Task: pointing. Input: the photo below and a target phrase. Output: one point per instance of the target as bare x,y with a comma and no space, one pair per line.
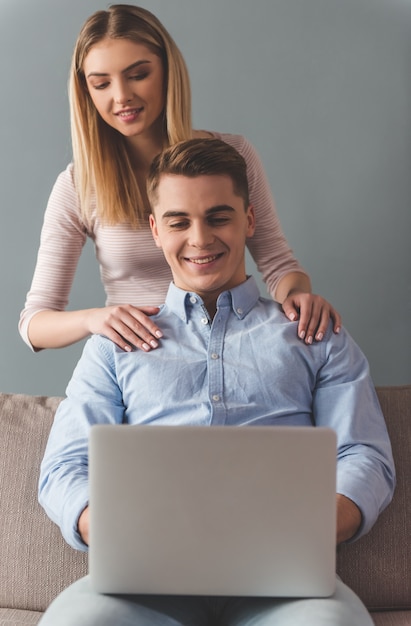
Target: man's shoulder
99,344
272,309
270,315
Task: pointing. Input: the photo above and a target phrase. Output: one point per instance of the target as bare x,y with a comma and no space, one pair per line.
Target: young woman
129,98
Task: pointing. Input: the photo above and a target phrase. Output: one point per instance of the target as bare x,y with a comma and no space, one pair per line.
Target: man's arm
84,524
345,400
348,518
93,396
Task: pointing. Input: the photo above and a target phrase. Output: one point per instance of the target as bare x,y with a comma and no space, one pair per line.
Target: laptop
220,511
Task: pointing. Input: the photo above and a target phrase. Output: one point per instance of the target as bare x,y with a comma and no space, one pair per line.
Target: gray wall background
322,88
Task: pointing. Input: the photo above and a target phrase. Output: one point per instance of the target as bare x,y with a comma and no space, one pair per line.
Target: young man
236,354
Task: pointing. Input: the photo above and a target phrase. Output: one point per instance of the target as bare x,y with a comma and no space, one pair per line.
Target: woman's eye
139,76
100,86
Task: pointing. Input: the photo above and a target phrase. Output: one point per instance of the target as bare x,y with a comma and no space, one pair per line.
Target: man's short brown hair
200,157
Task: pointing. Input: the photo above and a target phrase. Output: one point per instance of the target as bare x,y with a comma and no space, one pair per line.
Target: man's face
201,226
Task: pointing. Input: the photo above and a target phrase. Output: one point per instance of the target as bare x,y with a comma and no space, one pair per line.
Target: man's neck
210,299
211,307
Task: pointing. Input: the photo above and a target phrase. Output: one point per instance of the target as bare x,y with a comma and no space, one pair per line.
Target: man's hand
348,518
83,525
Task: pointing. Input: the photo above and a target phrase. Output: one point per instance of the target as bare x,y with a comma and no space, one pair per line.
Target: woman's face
126,84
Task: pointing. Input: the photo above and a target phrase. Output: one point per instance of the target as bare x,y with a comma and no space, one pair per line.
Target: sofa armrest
36,563
378,566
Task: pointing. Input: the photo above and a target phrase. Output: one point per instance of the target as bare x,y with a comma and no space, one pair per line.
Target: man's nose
201,236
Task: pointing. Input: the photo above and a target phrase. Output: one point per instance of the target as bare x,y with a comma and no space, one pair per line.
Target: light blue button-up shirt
246,366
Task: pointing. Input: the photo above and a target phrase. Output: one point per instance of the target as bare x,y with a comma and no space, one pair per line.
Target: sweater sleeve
62,239
268,246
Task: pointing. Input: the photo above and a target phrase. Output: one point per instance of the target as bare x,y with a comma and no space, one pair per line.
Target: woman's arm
125,325
63,236
44,322
286,280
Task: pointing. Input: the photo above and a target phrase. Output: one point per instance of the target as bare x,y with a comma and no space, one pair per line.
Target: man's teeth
205,260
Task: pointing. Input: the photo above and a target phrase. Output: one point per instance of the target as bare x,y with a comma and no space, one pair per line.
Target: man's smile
204,260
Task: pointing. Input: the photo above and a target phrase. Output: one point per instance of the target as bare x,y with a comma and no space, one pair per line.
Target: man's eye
177,225
218,221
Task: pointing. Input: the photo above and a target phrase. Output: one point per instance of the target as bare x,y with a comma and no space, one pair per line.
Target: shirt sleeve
62,239
345,400
268,246
93,395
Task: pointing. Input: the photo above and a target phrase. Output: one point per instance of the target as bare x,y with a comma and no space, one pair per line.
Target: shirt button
193,299
214,356
204,320
239,311
216,398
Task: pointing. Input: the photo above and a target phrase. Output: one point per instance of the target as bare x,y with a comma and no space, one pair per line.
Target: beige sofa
36,564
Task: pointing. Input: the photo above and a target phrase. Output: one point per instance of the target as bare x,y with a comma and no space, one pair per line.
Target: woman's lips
129,114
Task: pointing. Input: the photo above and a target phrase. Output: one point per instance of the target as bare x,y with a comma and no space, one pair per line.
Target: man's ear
250,221
154,230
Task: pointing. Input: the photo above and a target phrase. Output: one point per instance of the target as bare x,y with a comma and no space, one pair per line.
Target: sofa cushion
378,566
18,617
36,563
392,618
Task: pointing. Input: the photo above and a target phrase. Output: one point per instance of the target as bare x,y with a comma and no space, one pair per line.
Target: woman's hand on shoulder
313,313
127,326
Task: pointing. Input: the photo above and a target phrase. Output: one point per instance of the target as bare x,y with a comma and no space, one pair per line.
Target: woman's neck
143,148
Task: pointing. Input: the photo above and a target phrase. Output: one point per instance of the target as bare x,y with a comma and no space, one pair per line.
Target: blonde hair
200,157
102,164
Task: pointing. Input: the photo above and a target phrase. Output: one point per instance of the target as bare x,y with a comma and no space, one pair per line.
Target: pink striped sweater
132,268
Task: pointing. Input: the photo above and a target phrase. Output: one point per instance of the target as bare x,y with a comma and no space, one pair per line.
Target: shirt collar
241,299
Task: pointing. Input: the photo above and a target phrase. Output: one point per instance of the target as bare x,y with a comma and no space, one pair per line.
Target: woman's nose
122,93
